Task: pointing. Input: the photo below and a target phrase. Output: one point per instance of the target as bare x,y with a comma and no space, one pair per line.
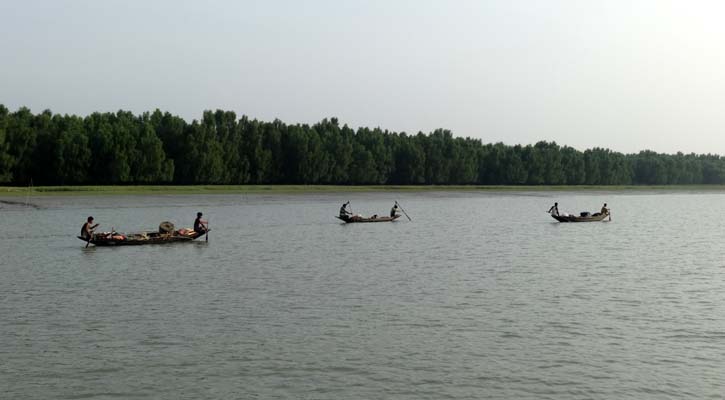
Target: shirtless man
87,229
554,210
343,211
200,224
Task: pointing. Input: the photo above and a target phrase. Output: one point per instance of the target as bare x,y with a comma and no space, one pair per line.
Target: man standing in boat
87,229
200,224
554,210
343,211
394,210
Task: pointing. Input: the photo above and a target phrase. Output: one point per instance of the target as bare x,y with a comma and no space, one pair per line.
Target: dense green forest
160,148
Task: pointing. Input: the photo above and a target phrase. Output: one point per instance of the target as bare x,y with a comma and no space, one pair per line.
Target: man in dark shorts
87,229
343,211
199,224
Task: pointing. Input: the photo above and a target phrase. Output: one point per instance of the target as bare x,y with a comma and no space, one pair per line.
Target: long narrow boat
573,218
356,218
150,237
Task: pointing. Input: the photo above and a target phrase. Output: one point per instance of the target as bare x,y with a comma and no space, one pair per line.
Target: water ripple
480,297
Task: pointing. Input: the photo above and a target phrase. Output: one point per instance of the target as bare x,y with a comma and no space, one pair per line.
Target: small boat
581,218
149,237
357,218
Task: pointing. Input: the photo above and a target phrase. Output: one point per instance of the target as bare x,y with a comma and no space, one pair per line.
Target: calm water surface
482,295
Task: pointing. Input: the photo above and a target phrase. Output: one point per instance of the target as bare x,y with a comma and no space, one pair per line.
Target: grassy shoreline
304,189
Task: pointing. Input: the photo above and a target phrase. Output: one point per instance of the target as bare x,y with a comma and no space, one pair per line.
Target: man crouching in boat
606,211
200,225
343,211
87,229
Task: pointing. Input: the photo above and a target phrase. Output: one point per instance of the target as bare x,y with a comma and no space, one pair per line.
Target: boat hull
142,238
574,218
355,219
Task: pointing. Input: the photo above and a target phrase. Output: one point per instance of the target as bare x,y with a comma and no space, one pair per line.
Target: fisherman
605,211
343,211
554,210
394,210
87,229
200,224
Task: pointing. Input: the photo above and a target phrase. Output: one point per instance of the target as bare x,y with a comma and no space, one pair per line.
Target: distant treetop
160,148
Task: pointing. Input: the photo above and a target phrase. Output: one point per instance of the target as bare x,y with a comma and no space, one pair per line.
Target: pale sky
625,75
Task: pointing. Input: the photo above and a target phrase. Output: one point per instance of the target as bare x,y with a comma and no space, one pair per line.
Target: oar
401,209
207,230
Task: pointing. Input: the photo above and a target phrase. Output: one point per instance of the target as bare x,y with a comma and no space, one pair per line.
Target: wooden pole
401,209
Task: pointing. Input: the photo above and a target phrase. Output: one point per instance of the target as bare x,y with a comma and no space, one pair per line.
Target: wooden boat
574,218
149,237
356,218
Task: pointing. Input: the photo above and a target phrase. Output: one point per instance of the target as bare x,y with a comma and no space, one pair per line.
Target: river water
482,295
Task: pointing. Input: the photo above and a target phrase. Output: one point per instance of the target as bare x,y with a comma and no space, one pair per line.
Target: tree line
160,148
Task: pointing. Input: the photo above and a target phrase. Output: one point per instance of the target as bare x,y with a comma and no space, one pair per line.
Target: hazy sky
626,75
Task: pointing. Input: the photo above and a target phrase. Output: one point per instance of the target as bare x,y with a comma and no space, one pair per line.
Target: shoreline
17,191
